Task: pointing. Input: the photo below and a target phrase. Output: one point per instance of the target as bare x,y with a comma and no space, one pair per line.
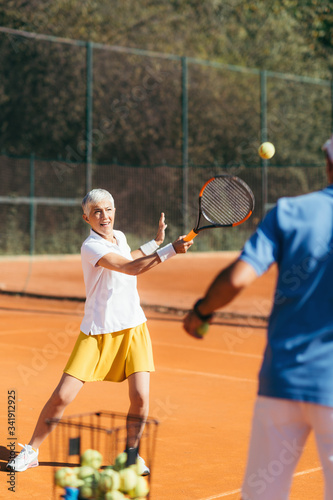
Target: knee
61,398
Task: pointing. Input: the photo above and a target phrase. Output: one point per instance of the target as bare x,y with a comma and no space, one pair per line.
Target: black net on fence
41,202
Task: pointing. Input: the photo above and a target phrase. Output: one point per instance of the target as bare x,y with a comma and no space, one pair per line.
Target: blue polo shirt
298,235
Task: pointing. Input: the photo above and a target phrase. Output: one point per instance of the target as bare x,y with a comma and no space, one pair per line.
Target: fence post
185,144
263,136
32,213
89,114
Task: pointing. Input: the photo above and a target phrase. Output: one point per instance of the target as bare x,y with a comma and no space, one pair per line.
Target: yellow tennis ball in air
266,150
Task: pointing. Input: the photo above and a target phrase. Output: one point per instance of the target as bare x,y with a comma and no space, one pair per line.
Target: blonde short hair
93,197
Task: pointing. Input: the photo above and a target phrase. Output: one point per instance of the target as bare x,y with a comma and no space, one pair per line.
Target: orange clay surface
202,391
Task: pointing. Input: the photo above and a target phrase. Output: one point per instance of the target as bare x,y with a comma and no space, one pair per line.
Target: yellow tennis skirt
111,356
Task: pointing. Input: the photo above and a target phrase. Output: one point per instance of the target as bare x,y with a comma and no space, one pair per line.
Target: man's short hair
95,196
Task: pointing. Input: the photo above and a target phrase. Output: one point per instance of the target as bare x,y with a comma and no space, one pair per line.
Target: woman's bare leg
138,384
63,395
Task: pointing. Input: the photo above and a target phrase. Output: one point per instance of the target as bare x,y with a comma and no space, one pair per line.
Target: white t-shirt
112,300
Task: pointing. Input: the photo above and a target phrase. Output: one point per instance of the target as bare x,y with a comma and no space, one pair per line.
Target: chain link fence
149,127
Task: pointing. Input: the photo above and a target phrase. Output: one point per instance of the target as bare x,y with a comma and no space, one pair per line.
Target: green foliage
137,114
283,35
14,226
59,230
137,108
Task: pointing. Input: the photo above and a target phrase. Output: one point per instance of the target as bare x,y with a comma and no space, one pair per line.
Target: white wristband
149,247
166,252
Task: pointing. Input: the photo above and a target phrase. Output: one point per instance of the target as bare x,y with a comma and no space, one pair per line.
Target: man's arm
222,290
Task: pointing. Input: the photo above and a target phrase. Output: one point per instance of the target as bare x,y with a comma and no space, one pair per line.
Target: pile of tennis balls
114,482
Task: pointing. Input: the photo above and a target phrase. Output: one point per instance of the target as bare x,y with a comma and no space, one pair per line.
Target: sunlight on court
202,391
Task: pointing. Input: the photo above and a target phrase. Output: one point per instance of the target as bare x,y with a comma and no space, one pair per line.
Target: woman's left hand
161,230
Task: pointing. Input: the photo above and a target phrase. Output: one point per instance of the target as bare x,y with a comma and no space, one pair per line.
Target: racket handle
190,236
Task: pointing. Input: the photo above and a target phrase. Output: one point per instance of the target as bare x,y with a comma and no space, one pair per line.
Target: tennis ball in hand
202,329
266,150
92,458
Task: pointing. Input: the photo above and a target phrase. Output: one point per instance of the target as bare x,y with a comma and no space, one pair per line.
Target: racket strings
226,200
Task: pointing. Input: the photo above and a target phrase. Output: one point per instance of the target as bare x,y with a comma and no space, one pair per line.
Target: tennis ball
128,479
202,329
114,495
109,480
92,458
64,476
87,491
120,461
74,482
141,488
86,471
266,150
138,467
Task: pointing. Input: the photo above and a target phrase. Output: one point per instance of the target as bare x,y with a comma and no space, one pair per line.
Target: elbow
236,284
241,275
132,271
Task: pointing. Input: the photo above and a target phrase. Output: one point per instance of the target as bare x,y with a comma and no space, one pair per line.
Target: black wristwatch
203,317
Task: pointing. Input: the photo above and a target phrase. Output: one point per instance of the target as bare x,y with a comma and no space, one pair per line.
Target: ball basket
106,433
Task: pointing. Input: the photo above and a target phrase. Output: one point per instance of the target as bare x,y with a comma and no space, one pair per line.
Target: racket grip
190,236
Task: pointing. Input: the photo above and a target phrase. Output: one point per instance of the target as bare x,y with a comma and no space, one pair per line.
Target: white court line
228,493
233,492
207,349
159,368
302,473
204,374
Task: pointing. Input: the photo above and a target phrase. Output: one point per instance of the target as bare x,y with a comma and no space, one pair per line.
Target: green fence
149,127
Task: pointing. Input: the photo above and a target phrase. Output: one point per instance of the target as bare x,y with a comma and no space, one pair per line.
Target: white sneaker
27,458
144,470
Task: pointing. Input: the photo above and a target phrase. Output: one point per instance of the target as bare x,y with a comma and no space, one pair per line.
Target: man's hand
191,324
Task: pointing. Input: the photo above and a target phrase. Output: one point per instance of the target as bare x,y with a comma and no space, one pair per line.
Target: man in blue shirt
295,392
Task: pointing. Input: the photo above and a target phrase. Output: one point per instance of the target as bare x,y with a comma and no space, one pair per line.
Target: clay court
202,392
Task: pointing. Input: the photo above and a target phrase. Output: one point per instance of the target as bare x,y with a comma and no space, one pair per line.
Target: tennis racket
224,201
